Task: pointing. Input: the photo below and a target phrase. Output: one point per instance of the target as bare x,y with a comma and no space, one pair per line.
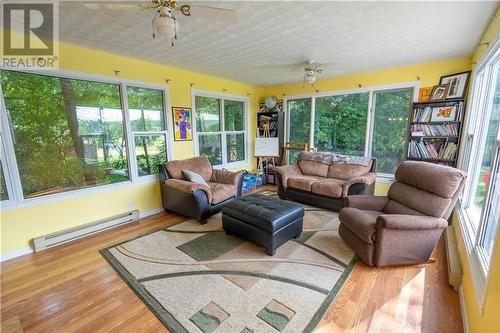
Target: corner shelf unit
431,137
276,130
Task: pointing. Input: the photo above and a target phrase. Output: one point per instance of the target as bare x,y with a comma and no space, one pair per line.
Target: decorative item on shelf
439,92
424,94
271,104
457,84
182,119
445,113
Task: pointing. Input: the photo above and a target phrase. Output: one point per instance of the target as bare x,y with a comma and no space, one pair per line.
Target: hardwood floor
71,288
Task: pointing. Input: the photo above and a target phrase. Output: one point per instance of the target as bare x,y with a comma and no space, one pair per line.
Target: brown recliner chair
404,226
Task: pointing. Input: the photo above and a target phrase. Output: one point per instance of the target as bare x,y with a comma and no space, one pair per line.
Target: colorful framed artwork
183,123
424,94
457,84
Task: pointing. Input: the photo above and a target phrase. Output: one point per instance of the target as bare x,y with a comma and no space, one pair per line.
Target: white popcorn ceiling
354,36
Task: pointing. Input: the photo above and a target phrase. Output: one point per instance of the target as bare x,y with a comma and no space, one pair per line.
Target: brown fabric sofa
325,179
195,200
404,226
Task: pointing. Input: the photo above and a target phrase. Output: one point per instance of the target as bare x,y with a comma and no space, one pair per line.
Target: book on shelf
432,149
434,130
438,113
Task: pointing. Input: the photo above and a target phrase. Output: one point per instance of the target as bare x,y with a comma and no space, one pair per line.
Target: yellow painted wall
486,319
429,75
20,225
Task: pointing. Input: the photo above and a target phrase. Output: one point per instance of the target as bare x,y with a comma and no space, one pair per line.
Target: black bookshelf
430,137
276,130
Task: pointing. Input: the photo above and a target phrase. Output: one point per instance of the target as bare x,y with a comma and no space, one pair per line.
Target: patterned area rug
197,279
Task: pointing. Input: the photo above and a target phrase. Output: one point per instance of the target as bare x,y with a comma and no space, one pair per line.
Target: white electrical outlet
131,205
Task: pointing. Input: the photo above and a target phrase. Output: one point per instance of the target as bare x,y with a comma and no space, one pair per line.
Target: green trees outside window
220,127
390,125
340,124
146,112
68,134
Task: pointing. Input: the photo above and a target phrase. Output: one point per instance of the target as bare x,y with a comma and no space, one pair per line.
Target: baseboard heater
454,265
71,234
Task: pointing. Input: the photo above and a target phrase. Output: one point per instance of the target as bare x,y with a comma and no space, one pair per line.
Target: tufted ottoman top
264,212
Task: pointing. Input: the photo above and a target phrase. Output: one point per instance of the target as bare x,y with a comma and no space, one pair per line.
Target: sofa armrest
410,222
189,187
367,179
366,202
287,171
226,177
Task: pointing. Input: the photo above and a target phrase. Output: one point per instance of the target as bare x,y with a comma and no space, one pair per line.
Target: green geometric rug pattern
195,278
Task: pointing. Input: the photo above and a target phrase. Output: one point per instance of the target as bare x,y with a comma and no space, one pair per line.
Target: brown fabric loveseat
198,201
325,179
404,226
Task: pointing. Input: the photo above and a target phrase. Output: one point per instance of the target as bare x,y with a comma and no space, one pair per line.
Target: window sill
75,194
469,238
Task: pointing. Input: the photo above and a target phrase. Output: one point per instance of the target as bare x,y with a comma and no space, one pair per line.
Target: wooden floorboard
71,288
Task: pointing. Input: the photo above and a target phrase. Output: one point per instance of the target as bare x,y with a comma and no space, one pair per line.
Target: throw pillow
194,177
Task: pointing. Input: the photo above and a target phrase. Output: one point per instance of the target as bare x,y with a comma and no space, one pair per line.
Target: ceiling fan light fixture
165,25
309,77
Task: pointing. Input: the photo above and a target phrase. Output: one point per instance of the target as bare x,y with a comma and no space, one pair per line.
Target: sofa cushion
313,168
201,165
394,207
348,171
438,179
328,187
193,177
363,223
221,192
425,202
303,182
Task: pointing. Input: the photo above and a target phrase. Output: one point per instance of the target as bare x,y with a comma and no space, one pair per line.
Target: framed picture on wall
183,127
457,84
439,92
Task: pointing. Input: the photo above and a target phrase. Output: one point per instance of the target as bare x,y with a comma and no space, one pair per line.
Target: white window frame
166,121
11,173
371,90
471,224
222,132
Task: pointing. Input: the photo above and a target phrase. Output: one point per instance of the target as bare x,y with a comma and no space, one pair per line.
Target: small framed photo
457,84
183,123
424,94
439,92
445,113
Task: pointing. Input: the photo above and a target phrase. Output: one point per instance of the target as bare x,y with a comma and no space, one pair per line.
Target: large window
343,123
221,129
390,124
146,112
480,204
67,133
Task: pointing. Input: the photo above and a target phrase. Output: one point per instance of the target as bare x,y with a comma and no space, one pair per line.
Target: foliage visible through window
390,127
212,138
340,123
146,112
68,134
299,111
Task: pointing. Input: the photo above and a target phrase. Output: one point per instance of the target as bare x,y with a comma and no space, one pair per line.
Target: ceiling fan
310,68
164,23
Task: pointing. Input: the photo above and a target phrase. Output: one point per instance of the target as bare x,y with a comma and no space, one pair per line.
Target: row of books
438,113
434,130
443,150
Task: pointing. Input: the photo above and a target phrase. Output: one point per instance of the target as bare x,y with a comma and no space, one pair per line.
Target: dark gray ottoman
263,220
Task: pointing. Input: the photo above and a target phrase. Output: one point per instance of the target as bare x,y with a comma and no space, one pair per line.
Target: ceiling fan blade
215,14
99,6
